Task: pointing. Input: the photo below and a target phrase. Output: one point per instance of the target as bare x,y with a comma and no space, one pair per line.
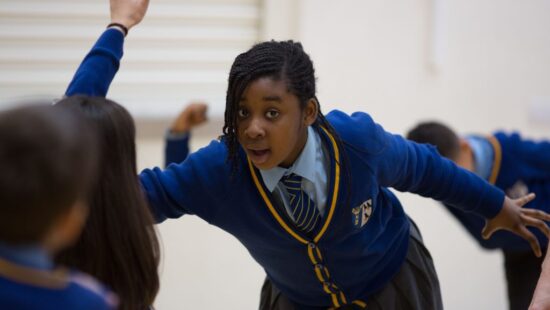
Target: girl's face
271,126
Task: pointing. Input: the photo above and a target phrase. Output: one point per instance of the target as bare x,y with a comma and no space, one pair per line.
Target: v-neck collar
304,165
332,197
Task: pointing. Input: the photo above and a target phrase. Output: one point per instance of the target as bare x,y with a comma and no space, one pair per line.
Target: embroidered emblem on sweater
361,214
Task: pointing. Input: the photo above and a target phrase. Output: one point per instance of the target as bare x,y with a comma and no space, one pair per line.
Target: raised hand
194,114
513,217
128,12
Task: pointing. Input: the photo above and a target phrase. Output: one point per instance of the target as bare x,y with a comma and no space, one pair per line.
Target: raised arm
177,137
96,72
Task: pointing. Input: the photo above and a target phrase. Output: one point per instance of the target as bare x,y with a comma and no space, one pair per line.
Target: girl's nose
255,129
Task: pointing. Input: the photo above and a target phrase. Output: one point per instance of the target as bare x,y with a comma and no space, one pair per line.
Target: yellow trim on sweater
336,186
271,208
312,249
55,279
332,205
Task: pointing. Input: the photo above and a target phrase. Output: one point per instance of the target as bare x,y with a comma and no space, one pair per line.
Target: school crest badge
361,214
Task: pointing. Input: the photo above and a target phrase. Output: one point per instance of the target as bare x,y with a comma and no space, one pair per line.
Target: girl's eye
242,113
272,114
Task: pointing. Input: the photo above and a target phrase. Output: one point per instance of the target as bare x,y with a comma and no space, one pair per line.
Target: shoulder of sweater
358,131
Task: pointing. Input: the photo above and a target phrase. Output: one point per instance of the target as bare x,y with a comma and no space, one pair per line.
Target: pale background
478,65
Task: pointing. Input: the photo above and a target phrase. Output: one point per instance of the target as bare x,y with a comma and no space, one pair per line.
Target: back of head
47,162
119,245
442,137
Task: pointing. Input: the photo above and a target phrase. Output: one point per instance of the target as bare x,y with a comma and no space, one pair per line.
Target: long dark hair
284,61
119,244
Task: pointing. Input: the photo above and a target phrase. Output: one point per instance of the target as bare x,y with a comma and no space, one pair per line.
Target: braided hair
280,60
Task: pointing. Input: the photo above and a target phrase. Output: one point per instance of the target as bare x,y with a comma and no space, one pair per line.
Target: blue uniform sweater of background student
28,281
516,162
344,261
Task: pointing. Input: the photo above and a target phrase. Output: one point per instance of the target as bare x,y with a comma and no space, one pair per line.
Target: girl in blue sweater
307,194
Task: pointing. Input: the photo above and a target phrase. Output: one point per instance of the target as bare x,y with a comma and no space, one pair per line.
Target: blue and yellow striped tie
305,213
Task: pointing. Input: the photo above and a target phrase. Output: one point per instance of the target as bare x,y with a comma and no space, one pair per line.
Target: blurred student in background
517,166
119,244
48,158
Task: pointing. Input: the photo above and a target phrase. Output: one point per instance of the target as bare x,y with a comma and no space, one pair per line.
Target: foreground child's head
446,141
270,103
47,166
119,245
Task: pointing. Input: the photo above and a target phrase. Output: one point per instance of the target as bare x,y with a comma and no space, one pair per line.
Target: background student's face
272,127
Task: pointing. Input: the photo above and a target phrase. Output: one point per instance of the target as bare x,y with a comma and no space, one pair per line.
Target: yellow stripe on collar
336,186
55,279
334,199
270,206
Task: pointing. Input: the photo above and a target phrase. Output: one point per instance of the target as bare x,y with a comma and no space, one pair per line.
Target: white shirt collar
304,165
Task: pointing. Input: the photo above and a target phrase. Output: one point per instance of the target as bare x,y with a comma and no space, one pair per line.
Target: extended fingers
541,215
525,199
531,221
533,241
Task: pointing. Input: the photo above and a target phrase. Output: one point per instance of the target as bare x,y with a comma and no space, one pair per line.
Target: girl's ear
310,111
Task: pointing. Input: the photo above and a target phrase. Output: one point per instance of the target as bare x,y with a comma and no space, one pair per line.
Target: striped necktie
305,213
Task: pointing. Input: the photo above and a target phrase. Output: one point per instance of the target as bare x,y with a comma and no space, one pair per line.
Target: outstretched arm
408,166
96,72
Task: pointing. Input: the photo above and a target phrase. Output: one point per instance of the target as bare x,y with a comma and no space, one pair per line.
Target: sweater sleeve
196,186
418,168
192,187
176,147
96,72
531,157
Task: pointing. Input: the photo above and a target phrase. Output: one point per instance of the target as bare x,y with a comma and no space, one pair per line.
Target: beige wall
491,68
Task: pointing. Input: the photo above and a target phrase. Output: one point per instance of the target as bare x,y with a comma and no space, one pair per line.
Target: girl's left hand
193,115
514,218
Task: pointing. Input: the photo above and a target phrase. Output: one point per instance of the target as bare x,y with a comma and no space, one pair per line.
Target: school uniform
28,281
518,167
414,287
362,238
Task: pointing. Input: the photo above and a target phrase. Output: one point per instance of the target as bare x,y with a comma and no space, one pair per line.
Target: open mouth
258,156
259,152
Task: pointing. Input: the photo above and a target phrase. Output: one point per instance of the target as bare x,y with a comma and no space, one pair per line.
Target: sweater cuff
491,203
113,40
176,136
